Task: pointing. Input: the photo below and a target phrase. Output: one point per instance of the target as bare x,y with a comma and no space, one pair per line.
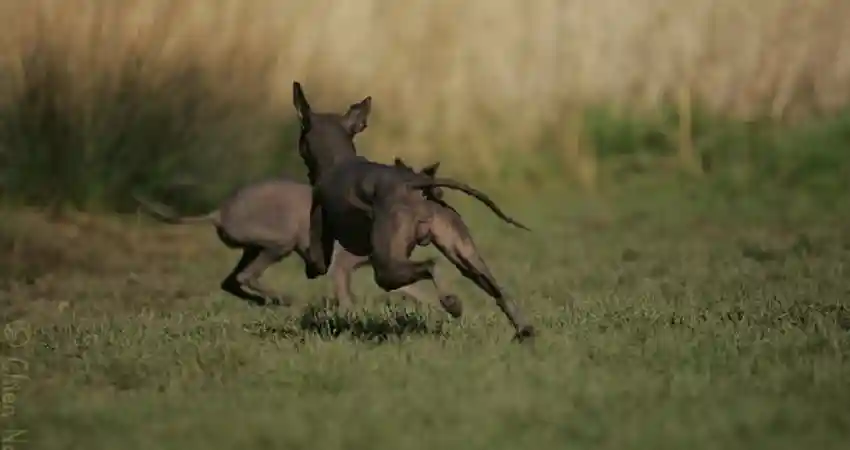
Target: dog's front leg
452,238
320,251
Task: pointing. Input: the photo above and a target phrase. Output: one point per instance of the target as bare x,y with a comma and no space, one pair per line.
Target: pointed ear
431,170
398,162
355,119
302,107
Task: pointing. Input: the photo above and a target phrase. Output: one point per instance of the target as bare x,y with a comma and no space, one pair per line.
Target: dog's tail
469,190
161,212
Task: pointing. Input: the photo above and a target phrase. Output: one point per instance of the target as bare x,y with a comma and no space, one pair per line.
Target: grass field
709,311
669,317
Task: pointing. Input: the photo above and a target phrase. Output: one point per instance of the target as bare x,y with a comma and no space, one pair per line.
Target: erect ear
355,119
302,107
398,162
431,170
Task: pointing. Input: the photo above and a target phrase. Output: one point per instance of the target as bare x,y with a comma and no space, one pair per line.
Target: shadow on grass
333,323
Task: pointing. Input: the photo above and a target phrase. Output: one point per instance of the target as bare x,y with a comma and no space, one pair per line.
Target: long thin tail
469,190
161,212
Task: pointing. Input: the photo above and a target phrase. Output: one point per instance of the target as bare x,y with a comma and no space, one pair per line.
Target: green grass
669,317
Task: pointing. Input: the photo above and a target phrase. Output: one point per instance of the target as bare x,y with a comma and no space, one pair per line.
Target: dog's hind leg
450,302
231,284
255,260
393,241
344,263
453,239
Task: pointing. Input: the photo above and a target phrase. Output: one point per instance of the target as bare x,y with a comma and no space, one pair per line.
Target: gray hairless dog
385,211
269,220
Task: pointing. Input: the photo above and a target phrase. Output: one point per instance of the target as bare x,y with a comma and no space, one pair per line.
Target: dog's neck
328,162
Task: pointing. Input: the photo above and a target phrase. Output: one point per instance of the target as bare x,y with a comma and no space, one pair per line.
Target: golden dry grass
447,74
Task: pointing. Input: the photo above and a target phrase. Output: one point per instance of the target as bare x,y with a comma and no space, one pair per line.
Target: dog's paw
281,300
525,333
452,305
312,271
311,274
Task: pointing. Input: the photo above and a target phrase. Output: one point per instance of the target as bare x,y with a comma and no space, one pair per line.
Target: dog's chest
352,226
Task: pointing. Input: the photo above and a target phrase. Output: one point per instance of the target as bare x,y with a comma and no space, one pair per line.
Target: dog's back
267,211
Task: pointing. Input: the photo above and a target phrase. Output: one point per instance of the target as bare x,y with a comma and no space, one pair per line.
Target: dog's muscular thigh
394,236
402,273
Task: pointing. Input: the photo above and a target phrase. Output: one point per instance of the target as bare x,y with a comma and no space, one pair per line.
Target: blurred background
684,166
98,97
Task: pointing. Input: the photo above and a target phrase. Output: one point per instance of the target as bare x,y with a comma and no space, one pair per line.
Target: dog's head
434,193
327,138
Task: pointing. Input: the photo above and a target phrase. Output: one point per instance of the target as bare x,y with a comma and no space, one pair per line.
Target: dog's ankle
524,333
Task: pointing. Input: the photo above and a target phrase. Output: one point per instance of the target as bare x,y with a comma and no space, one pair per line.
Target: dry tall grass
470,78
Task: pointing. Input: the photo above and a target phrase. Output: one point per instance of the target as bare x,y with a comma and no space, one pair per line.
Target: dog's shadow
328,322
